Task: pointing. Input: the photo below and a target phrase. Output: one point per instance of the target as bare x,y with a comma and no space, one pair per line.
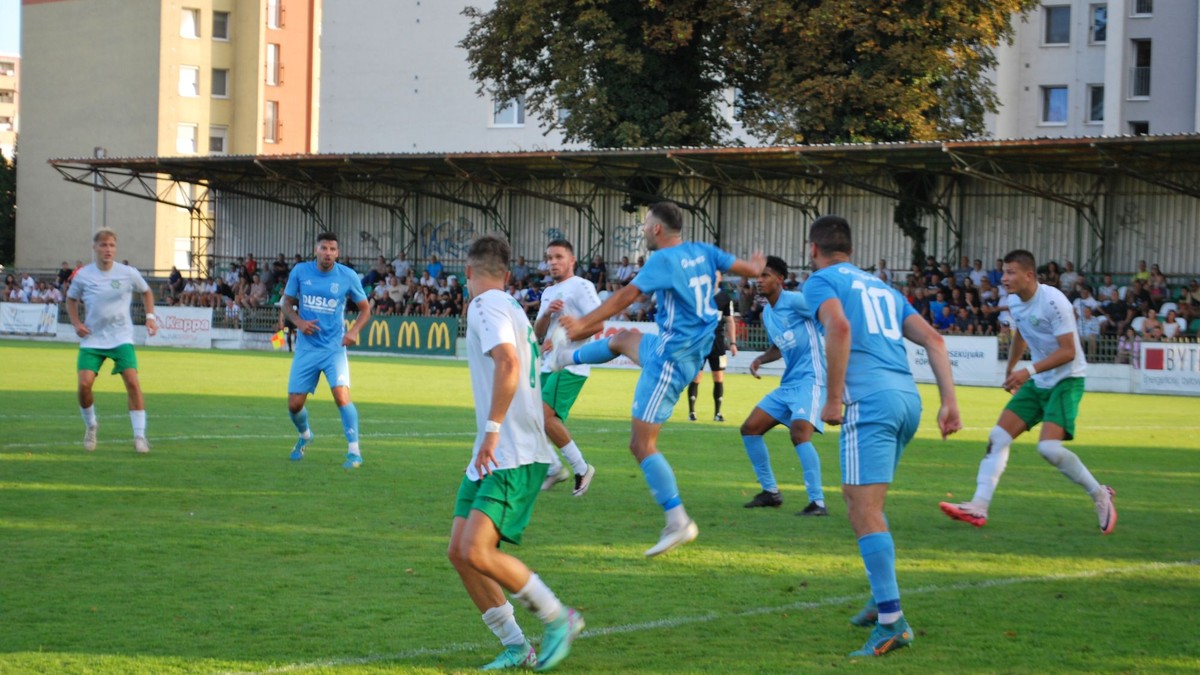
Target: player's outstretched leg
680,529
300,420
991,468
1106,511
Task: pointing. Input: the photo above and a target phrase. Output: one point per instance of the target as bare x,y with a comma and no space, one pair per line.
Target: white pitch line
717,616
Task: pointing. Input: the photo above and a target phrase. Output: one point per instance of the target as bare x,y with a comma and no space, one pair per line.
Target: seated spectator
442,306
1152,328
936,305
1108,290
279,268
883,273
1068,280
250,266
944,319
608,291
625,271
965,322
531,300
637,266
963,271
1142,273
64,275
1089,329
454,288
1189,301
256,294
396,292
1159,291
1120,316
1085,299
1171,328
378,272
427,280
418,304
930,269
1138,296
996,274
639,310
745,299
920,303
400,265
978,274
520,271
456,305
1052,276
597,272
543,270
41,294
1129,347
434,268
792,283
174,280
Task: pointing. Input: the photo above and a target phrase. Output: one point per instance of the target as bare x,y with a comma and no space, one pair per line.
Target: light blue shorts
802,402
661,381
308,365
875,430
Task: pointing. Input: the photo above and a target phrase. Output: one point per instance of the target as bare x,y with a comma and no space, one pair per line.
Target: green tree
636,73
8,210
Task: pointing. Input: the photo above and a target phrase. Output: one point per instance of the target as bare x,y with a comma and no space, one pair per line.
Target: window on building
8,68
1139,128
1054,105
1058,25
1098,31
185,139
7,96
6,124
509,113
273,64
1141,7
189,26
1139,75
220,82
271,122
183,253
274,13
189,81
218,140
220,25
1095,110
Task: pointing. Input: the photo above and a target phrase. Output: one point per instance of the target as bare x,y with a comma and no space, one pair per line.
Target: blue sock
760,459
300,419
661,480
810,461
879,556
594,352
350,421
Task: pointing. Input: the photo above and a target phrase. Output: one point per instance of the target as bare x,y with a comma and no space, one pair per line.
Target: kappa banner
408,335
33,319
183,327
1170,368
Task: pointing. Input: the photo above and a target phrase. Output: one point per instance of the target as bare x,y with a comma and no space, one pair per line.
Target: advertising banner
974,360
1170,368
28,319
612,328
427,336
189,327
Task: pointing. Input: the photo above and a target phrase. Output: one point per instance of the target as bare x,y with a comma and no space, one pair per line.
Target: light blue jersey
792,328
321,297
876,312
682,279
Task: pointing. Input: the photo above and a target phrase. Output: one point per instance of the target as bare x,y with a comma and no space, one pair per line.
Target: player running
795,338
1048,390
496,496
681,275
315,300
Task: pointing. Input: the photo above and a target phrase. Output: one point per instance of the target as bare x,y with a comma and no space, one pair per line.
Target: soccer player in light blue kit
795,337
681,275
866,322
315,301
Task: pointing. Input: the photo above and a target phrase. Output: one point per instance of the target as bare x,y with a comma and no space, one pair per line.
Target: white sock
992,466
138,419
307,434
820,502
889,618
353,449
504,625
572,454
89,415
677,517
1068,464
539,599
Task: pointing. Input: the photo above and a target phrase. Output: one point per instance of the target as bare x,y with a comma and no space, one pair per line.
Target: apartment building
1092,68
10,93
125,78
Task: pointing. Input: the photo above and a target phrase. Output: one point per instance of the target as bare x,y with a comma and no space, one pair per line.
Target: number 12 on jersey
703,288
879,309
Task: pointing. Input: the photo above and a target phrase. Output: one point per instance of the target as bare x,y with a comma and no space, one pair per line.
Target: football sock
810,462
1068,463
693,391
138,419
760,459
89,415
350,423
300,419
879,557
572,454
718,396
661,480
539,599
594,352
992,465
504,625
677,516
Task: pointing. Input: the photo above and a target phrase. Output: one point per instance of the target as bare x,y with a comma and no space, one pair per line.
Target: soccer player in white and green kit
1047,390
106,288
496,496
573,296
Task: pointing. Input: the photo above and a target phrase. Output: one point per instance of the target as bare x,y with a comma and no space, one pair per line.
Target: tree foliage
8,210
636,73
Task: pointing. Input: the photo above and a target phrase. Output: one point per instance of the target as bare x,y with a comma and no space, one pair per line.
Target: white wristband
151,317
492,427
1031,369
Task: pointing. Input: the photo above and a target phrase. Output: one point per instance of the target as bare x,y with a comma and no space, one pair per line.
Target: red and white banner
28,319
1170,368
611,328
183,327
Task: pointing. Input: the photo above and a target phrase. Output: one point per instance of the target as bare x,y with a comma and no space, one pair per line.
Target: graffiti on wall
446,239
553,233
627,239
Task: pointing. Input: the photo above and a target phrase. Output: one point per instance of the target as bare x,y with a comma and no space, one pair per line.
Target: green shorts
506,496
559,391
1058,405
123,358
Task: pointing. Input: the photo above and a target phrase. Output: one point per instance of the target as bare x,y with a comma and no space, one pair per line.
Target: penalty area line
708,617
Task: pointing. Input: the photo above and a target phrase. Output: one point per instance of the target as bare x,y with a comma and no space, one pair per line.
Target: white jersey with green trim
1047,315
106,297
495,318
579,298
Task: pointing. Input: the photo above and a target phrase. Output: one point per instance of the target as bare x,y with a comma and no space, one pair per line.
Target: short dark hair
490,254
777,265
669,214
1021,257
562,243
327,236
831,234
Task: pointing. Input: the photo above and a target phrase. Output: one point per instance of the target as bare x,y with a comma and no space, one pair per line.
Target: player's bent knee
1052,451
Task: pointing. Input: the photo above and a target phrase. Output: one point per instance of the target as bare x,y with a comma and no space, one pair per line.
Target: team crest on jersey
333,288
116,283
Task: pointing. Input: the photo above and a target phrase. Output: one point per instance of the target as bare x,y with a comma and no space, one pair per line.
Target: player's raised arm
919,331
750,268
585,326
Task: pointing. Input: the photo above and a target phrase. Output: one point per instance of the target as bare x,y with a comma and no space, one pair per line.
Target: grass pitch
216,554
